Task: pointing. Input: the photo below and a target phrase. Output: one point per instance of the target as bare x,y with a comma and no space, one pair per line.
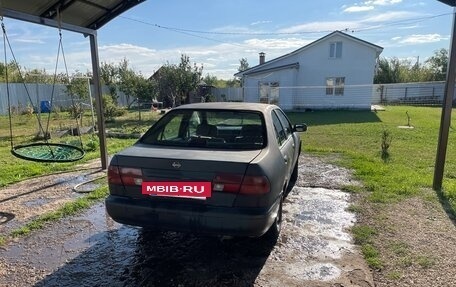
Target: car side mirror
300,128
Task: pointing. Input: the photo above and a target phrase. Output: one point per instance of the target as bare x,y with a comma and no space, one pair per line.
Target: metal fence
20,100
344,97
428,93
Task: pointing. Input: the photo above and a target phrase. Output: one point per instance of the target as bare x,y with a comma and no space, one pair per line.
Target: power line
182,31
374,27
402,22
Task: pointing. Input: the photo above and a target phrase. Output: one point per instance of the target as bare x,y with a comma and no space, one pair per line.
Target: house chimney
262,58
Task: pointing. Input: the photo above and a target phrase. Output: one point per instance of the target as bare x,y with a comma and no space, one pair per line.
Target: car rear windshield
218,129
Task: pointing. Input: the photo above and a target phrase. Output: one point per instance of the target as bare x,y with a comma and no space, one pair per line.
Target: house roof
88,14
263,67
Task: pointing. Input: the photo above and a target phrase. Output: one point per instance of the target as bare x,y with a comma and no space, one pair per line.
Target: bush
111,110
75,110
28,110
92,145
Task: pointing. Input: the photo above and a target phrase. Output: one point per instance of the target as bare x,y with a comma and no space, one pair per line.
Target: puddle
71,180
317,272
93,250
36,202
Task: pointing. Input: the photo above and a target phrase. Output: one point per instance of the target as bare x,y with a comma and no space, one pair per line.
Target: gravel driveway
314,248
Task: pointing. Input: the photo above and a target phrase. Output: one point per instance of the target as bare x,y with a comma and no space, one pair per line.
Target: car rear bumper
202,219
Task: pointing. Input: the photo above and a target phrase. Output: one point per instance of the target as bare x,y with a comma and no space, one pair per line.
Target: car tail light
227,182
124,175
252,185
255,185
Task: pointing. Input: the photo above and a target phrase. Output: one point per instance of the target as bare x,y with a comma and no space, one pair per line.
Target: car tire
293,178
294,174
274,231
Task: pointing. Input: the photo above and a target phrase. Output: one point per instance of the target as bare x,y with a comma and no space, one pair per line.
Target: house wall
287,79
306,86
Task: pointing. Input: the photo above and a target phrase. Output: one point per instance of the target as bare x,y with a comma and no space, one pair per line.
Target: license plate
191,189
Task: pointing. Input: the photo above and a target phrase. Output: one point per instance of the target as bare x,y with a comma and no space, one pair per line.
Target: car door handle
285,158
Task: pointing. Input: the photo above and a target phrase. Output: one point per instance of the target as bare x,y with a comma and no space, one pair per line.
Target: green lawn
358,136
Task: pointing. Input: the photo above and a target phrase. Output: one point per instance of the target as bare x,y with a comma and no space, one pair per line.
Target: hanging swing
41,151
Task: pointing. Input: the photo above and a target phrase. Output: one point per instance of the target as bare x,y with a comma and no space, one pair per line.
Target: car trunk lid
224,169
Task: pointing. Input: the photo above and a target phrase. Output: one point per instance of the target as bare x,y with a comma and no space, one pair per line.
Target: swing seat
48,152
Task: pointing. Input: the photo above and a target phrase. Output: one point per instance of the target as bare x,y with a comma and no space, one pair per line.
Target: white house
335,71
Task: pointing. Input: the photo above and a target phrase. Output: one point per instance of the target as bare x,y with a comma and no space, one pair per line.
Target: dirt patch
417,242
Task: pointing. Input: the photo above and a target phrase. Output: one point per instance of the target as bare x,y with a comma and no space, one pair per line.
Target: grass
411,153
362,236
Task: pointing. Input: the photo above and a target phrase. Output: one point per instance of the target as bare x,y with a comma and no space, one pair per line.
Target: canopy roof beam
46,21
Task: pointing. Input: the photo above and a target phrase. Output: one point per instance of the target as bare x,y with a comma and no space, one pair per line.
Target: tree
211,80
127,80
387,71
39,76
243,65
438,64
174,83
400,71
14,70
79,85
188,78
165,85
109,77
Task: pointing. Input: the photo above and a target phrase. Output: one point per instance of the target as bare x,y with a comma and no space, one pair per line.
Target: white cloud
391,16
422,39
382,2
321,26
29,41
368,5
276,44
356,8
233,29
260,22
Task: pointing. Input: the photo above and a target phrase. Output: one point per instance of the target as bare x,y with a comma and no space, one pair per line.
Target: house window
335,86
335,50
269,93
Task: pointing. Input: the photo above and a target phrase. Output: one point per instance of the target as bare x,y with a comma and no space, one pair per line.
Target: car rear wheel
274,231
293,178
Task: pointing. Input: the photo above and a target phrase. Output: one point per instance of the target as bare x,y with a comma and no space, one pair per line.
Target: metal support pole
445,120
91,103
98,101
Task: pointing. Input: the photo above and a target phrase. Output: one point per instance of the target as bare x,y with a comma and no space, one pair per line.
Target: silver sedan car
211,168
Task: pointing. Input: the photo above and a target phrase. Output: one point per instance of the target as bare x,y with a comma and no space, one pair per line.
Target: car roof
229,106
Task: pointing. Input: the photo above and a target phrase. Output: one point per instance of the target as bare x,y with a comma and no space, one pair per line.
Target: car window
285,122
220,129
171,130
278,128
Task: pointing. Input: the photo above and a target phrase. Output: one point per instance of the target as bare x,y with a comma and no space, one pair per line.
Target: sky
218,33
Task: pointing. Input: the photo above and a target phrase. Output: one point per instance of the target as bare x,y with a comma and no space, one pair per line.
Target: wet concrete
314,249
